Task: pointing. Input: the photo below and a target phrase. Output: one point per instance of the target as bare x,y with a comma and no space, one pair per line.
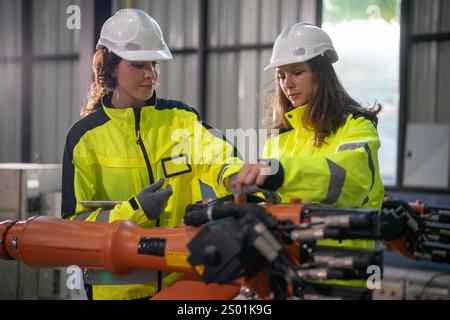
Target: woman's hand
251,174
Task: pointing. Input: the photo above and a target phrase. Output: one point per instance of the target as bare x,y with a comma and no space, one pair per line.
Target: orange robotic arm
416,230
243,244
120,247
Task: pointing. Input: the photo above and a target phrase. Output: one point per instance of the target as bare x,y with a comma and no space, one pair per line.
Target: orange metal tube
51,242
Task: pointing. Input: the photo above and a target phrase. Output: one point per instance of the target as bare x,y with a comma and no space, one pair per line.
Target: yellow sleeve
214,158
343,178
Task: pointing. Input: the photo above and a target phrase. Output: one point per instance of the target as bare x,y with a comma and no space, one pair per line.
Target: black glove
153,199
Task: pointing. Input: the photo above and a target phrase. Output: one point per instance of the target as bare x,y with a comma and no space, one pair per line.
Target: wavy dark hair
104,63
325,112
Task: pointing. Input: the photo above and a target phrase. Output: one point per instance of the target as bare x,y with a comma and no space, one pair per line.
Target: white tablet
95,204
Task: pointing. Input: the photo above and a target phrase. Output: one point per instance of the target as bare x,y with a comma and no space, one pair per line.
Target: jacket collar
125,117
295,116
106,101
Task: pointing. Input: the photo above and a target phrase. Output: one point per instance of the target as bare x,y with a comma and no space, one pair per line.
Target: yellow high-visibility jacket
112,154
343,172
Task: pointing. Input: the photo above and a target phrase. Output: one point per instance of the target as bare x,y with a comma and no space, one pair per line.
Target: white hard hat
135,36
299,43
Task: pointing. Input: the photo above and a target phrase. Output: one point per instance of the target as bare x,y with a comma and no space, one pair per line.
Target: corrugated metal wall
429,68
55,100
10,83
55,95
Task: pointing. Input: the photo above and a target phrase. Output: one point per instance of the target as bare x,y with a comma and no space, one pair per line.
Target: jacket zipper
137,127
137,121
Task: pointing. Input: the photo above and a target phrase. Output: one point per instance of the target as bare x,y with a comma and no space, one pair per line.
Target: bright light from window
368,67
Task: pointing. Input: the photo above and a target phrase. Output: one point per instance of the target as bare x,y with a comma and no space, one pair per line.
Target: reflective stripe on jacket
112,154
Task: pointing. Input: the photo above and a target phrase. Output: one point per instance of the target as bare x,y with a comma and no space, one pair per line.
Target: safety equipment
153,199
134,36
112,154
299,43
343,172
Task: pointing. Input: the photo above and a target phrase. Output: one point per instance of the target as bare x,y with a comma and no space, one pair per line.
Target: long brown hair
325,112
104,63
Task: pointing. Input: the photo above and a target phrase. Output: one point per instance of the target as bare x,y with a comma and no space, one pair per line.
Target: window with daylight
366,35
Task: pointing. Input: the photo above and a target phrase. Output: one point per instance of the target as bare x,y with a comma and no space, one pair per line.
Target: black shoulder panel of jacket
79,128
358,114
162,104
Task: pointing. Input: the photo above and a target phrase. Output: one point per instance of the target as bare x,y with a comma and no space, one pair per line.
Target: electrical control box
427,154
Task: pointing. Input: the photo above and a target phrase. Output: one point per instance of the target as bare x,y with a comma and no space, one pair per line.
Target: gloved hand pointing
153,199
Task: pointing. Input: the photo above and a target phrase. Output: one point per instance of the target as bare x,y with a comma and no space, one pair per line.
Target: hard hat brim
332,55
151,55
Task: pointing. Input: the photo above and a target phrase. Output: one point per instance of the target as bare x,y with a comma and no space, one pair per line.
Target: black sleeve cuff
274,181
134,203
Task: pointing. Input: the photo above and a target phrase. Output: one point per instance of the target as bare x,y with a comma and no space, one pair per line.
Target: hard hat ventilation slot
132,46
299,52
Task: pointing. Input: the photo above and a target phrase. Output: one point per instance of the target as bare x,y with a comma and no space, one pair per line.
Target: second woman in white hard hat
327,144
153,155
327,147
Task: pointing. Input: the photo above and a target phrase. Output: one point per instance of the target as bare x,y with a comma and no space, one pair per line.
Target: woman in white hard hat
327,146
137,149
